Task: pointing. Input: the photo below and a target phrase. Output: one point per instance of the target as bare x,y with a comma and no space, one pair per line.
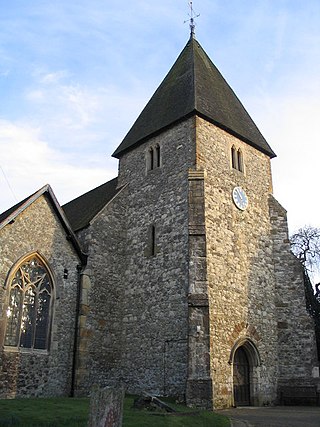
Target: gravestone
106,407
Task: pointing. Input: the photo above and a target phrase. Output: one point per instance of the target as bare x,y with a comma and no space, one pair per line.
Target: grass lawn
54,412
62,412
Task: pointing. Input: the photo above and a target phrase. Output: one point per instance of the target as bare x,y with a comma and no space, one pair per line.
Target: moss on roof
194,86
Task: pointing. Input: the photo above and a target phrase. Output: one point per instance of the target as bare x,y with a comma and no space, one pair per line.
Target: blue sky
74,75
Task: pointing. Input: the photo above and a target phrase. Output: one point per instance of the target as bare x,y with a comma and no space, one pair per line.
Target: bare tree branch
305,245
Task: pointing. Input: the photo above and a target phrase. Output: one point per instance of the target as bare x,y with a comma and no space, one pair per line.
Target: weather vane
192,18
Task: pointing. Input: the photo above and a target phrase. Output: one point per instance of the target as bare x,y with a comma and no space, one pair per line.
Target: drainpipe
76,333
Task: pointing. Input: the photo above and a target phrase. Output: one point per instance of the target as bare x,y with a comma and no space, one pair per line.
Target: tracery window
30,305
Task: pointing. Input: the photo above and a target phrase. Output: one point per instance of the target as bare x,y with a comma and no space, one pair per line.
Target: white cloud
54,77
289,123
80,76
29,163
69,105
83,120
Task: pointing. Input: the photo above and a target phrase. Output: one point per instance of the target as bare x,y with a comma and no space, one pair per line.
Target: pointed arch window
30,306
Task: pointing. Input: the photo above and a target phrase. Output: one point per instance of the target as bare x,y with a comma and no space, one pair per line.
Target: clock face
240,198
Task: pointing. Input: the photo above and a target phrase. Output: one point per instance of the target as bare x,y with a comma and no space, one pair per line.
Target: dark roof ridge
194,77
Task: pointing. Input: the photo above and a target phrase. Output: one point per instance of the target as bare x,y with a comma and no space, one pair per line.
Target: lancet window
154,158
28,316
237,159
153,240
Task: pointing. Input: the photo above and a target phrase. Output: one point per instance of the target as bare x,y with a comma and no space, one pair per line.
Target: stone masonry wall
137,323
155,318
297,344
40,373
199,384
102,299
240,263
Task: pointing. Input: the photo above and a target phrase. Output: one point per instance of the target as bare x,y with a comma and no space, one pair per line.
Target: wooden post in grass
106,407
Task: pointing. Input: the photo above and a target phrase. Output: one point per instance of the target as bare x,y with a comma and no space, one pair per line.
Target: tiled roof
194,86
83,209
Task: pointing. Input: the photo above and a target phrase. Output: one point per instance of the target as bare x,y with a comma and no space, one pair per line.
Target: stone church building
174,278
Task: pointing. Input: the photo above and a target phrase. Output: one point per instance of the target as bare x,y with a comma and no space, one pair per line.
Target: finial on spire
191,20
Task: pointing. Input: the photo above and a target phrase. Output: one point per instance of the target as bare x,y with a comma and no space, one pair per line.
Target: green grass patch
53,412
73,412
185,417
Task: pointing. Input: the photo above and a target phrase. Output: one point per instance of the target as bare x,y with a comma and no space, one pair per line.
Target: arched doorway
245,361
241,378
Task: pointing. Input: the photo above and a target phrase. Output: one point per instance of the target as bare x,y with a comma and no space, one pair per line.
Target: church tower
189,270
176,277
202,197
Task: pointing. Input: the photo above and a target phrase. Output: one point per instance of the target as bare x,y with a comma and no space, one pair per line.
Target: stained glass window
29,308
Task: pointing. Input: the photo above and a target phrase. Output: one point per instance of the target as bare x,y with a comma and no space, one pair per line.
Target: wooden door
241,378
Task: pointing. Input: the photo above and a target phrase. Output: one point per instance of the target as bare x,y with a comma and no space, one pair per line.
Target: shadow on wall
37,326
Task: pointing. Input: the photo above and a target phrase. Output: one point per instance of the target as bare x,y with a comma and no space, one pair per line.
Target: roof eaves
118,154
270,153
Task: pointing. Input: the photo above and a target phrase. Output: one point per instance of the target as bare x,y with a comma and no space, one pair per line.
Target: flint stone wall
296,333
102,299
241,281
137,321
213,266
38,373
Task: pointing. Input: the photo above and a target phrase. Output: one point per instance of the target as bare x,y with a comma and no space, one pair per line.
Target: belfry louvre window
157,150
153,158
237,159
30,305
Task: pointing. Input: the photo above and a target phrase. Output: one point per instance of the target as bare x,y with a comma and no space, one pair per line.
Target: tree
305,245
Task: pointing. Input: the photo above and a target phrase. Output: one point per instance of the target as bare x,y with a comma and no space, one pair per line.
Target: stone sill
25,351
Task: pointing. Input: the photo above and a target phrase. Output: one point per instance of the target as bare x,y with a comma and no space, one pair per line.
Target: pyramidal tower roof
194,86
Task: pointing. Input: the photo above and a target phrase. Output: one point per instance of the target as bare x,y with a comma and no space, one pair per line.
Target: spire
194,86
191,20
